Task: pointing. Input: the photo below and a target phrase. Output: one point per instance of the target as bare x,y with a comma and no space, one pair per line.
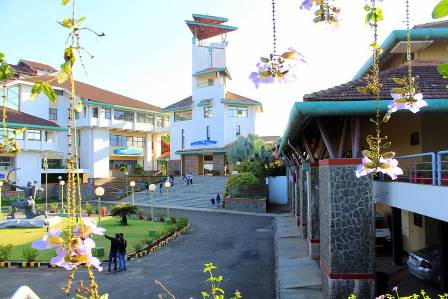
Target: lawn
135,232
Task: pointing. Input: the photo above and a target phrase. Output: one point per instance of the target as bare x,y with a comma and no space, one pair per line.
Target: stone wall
219,162
192,164
246,204
303,195
313,213
347,238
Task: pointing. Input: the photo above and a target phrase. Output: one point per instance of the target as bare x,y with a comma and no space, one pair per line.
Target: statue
28,204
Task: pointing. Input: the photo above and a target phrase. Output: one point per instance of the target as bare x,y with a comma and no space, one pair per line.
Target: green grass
135,232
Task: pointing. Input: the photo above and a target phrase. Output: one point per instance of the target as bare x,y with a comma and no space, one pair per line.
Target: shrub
257,168
88,209
123,211
240,183
54,206
138,170
5,252
138,246
182,222
161,217
173,219
30,254
276,168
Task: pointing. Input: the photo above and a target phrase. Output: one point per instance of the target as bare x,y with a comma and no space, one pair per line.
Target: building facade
205,124
112,130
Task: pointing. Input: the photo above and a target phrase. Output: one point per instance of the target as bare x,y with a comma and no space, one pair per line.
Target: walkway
298,277
180,195
241,246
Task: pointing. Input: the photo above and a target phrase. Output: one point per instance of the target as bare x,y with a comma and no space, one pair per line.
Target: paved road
180,195
241,246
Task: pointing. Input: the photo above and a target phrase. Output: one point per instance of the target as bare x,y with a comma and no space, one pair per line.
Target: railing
418,169
442,167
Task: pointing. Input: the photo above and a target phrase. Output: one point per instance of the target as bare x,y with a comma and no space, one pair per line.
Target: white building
112,130
206,123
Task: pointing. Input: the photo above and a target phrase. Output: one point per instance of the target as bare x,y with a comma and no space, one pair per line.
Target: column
148,155
303,195
397,241
443,256
295,194
313,237
347,230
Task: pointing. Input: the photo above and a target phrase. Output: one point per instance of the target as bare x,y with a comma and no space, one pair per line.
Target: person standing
122,252
113,253
212,201
191,179
218,201
160,187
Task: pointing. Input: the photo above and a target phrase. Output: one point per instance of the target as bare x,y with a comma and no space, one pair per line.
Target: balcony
36,145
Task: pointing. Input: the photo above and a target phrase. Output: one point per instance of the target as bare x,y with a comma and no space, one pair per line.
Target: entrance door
208,164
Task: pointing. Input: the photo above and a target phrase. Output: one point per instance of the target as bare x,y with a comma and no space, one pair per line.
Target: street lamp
1,214
99,191
132,184
62,183
151,189
45,165
167,186
126,179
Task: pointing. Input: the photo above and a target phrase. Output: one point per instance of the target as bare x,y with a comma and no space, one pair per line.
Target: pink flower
51,239
402,102
387,166
78,253
89,227
306,4
365,167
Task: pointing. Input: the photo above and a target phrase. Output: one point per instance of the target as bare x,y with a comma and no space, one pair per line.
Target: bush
257,168
173,219
138,246
54,206
276,168
89,209
182,222
240,183
30,254
123,211
5,252
161,217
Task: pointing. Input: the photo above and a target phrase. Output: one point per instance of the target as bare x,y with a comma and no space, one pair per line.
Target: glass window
119,114
127,141
238,111
6,163
53,163
76,115
208,132
106,113
12,97
95,112
52,114
183,115
238,130
59,92
128,116
208,112
144,118
34,135
17,135
159,121
183,138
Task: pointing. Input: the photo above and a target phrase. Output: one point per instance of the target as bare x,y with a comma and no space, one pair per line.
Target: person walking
160,187
191,179
122,252
188,178
113,253
218,201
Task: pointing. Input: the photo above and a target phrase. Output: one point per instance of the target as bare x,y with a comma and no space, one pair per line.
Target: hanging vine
325,10
276,68
375,159
73,244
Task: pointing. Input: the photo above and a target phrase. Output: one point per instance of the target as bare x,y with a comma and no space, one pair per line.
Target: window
183,138
159,121
418,220
6,163
95,112
415,138
106,113
183,115
59,92
45,136
145,118
208,112
128,116
238,111
53,114
76,115
124,115
210,82
208,133
34,135
238,130
208,164
53,163
127,141
119,114
84,111
12,97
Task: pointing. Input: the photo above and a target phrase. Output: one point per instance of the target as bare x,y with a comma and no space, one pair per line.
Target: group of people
188,179
216,202
117,252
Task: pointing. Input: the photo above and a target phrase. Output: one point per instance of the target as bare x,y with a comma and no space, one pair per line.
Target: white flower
387,166
89,227
400,102
78,253
51,239
365,167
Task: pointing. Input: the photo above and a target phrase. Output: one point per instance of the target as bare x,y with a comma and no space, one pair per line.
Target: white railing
418,168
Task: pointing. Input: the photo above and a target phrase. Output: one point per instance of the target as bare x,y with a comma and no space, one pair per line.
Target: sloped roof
37,66
204,27
90,92
185,103
431,84
438,24
18,117
230,96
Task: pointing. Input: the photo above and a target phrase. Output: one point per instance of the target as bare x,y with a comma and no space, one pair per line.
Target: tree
250,148
124,211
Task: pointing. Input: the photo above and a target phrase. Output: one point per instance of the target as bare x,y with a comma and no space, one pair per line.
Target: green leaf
205,295
64,2
443,70
441,10
2,57
367,8
36,90
49,91
399,81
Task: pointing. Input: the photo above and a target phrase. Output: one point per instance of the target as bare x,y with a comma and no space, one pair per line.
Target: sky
146,51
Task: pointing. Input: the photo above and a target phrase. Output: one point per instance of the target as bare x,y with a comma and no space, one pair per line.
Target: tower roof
204,26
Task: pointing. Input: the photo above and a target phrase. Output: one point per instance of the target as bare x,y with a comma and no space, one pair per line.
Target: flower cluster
75,250
277,68
406,97
326,12
385,164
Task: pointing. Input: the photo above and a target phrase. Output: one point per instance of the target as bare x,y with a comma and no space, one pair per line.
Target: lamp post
151,189
1,214
132,184
62,183
45,165
126,179
99,191
167,186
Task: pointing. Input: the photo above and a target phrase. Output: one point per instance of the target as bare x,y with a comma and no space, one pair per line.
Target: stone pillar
347,230
303,202
313,212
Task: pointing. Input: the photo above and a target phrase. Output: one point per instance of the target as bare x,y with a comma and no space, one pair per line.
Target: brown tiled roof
23,70
431,84
439,24
37,66
187,102
14,116
93,93
230,96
